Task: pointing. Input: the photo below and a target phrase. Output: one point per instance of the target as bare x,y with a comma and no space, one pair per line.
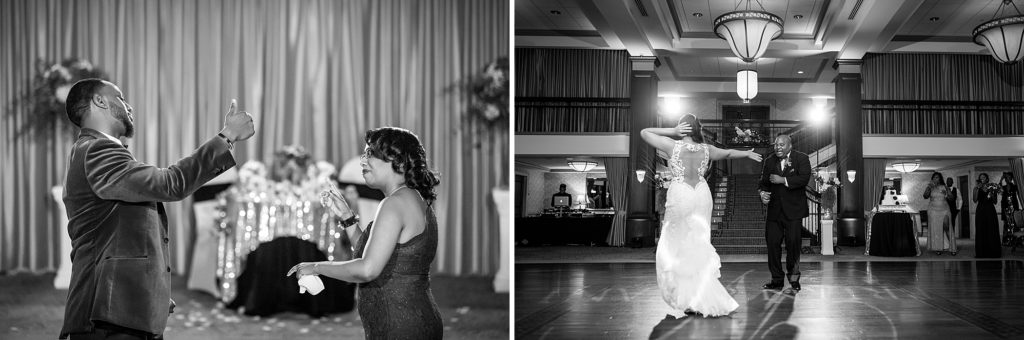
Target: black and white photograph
265,169
768,169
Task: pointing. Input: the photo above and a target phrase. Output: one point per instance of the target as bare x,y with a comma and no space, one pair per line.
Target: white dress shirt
782,165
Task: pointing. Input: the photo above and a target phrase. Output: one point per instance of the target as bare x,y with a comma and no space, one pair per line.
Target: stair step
737,241
741,249
726,232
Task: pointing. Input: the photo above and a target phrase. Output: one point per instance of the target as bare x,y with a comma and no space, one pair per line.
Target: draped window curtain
941,77
941,94
570,90
874,176
618,173
313,73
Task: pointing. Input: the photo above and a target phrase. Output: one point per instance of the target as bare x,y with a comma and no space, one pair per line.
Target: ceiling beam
873,25
618,26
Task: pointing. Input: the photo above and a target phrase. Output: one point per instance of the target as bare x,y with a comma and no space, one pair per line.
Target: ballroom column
850,152
643,105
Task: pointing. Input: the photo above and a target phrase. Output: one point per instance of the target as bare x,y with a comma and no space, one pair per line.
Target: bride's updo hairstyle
698,131
407,156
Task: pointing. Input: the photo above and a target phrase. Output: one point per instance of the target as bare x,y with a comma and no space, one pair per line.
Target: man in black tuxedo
783,178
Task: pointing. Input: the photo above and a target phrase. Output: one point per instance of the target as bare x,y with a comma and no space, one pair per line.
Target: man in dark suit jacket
783,178
121,274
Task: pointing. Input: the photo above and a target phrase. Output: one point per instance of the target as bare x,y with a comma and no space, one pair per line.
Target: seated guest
566,202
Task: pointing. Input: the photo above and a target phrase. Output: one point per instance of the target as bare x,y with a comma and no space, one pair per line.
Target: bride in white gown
687,264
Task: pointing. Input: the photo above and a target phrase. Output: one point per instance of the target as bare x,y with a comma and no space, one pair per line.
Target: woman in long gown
393,255
941,233
687,264
986,223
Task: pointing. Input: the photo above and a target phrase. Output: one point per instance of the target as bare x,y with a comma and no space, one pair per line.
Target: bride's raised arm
659,137
720,154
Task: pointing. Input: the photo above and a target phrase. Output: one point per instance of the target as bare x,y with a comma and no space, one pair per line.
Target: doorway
965,208
520,184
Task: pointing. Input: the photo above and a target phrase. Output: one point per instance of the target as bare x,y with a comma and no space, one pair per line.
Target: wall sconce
851,175
640,174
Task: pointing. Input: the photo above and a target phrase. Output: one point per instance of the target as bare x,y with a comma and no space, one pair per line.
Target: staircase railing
812,223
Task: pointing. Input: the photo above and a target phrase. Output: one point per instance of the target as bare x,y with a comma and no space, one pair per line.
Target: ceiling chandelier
1004,37
746,84
906,167
582,166
748,31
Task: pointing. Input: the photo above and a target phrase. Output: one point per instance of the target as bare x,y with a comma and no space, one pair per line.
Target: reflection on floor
954,300
30,308
587,254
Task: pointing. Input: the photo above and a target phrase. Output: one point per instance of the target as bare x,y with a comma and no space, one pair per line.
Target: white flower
492,112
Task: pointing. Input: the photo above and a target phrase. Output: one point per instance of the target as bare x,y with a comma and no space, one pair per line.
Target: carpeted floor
30,308
585,254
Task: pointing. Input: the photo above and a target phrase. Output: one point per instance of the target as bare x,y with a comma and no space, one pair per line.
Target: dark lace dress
398,304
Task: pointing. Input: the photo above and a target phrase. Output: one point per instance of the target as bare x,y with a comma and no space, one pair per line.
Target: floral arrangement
254,181
663,180
490,92
747,136
51,87
827,186
991,189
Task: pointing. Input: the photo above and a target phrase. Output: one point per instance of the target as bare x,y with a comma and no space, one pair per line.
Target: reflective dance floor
948,300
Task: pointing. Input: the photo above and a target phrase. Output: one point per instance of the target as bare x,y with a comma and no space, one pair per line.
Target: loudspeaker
851,232
642,230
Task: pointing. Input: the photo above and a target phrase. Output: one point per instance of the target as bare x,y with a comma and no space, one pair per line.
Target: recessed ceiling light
798,17
556,12
799,72
933,19
698,15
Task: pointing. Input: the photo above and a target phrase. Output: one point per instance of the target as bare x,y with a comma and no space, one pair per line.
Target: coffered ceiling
815,34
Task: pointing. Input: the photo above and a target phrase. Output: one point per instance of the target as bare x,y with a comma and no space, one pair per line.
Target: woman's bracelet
349,221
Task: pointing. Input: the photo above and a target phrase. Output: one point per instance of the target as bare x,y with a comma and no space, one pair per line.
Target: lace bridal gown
687,264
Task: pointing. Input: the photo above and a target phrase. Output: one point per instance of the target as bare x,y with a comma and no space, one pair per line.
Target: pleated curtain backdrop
618,173
546,72
569,90
316,73
945,77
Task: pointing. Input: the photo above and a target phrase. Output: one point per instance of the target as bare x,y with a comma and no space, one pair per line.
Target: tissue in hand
310,283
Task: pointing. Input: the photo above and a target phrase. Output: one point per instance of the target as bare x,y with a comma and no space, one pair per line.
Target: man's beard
122,116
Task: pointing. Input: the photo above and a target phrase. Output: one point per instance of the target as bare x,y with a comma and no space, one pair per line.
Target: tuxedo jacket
121,272
788,202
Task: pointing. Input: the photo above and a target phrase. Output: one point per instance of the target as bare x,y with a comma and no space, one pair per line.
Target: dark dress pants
106,331
777,231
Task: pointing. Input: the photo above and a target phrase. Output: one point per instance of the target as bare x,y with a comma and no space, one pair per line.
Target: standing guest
986,224
1010,201
953,199
394,253
941,235
121,274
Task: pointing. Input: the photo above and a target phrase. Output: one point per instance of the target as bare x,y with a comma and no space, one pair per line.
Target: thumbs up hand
238,125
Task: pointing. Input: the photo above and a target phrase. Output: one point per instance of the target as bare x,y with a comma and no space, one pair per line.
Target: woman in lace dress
687,264
394,253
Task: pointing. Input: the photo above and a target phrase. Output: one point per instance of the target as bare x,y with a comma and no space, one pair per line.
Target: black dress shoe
795,285
773,285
